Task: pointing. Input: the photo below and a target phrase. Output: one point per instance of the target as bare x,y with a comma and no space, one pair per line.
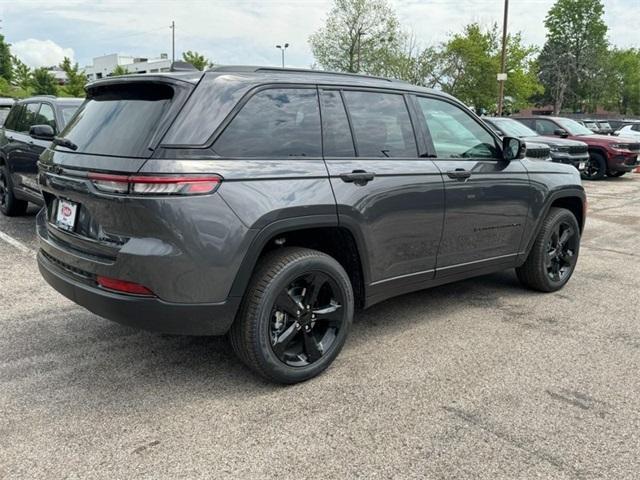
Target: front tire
9,204
554,254
295,316
596,167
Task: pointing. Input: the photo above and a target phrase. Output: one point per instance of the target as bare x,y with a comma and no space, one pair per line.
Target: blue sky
246,31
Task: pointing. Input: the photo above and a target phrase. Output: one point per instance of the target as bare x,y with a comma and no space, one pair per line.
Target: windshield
513,128
573,127
119,120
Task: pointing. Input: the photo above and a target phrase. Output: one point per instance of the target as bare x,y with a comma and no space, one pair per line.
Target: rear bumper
142,312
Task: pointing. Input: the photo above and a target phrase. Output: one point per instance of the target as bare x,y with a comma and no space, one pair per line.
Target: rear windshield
119,120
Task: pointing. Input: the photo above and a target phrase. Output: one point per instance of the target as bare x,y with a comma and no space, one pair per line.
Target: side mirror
513,148
42,132
560,132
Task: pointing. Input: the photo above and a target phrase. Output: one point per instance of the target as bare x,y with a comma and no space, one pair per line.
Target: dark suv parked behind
271,203
27,131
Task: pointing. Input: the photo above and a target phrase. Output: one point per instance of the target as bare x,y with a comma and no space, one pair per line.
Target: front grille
633,146
578,149
537,152
68,268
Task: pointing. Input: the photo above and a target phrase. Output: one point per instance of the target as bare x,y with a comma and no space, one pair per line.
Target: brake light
155,185
122,286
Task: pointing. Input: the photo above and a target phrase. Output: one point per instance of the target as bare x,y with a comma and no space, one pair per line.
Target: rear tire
596,167
295,316
616,174
554,254
9,204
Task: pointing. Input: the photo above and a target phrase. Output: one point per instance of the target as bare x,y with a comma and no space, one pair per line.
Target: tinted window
46,116
381,124
455,134
545,127
274,123
29,117
14,117
335,126
120,120
511,128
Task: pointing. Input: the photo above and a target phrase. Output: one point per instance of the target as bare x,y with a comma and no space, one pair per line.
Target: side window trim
403,94
472,116
338,91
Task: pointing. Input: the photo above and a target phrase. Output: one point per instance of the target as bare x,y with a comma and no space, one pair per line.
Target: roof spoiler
181,66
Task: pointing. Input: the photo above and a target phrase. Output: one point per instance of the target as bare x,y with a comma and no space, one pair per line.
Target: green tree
196,59
469,62
575,52
21,74
119,71
43,83
358,36
623,81
6,70
76,80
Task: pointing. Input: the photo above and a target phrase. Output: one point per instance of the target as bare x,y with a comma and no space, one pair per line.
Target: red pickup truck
613,156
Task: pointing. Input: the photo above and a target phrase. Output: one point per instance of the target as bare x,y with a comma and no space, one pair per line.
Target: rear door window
120,120
337,140
278,122
545,127
381,124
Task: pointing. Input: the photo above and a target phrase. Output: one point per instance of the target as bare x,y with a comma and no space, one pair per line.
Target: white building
103,66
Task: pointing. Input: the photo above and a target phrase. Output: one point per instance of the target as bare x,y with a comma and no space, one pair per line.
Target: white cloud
40,53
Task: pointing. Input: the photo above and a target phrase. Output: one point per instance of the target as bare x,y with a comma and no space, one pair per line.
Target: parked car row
608,155
28,129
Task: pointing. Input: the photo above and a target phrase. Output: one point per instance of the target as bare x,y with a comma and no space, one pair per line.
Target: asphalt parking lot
477,379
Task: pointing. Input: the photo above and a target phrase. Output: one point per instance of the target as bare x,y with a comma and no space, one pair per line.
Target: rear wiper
64,142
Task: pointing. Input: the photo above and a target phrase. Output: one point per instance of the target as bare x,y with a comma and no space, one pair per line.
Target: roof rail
252,69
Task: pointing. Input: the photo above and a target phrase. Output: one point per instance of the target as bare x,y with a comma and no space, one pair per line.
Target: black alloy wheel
306,319
596,167
4,190
561,251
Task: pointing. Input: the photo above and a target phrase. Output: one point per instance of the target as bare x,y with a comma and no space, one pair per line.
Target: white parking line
17,244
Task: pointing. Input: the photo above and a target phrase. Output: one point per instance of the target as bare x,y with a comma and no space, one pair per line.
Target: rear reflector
155,185
122,286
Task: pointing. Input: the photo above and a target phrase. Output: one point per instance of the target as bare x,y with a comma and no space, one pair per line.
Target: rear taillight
155,185
122,286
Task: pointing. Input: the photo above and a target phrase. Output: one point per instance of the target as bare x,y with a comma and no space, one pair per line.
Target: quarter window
14,117
454,133
381,124
282,122
335,126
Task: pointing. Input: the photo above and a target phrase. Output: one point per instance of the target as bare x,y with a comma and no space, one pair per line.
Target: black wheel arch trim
267,233
567,192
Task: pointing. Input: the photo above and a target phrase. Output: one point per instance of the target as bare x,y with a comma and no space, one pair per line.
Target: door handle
359,177
459,173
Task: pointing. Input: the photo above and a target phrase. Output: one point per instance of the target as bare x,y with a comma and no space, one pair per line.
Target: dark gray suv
270,204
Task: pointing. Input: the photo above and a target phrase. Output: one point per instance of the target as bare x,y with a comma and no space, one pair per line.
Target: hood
554,141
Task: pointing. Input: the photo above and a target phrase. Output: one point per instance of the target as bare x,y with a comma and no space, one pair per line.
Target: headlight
620,146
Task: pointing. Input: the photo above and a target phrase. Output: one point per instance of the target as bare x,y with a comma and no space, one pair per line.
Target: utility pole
173,41
282,49
502,76
360,33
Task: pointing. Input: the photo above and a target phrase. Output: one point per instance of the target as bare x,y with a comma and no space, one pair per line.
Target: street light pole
173,41
282,49
502,76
